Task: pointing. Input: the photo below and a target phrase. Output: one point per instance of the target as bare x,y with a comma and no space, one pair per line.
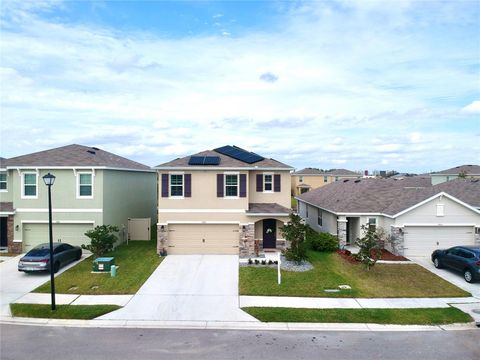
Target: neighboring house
220,201
310,178
466,171
92,187
419,217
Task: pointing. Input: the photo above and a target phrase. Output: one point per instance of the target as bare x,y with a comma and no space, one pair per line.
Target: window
300,179
231,185
372,224
3,181
176,185
440,210
85,185
325,179
29,185
319,218
267,182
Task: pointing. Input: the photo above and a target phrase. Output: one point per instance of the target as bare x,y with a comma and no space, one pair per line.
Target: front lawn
84,312
376,316
136,262
330,271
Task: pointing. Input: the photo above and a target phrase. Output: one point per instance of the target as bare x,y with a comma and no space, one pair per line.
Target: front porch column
397,241
342,223
162,237
247,240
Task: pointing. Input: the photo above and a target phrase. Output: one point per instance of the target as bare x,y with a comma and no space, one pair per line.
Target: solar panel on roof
204,160
239,154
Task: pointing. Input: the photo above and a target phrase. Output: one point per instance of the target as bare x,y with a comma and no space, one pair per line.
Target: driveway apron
188,287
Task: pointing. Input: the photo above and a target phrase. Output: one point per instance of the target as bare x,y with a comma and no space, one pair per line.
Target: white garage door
73,234
423,240
203,239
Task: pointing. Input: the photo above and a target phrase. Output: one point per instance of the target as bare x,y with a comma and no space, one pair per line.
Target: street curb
219,325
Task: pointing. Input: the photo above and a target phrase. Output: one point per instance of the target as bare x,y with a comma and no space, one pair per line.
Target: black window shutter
243,185
276,183
219,185
164,185
259,183
188,185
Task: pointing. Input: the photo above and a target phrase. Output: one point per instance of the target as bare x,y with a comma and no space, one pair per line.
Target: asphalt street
20,342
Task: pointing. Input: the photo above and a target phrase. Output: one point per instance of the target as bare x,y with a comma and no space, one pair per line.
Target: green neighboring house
92,187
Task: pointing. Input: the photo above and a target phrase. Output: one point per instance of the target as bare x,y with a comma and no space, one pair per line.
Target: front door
269,234
3,232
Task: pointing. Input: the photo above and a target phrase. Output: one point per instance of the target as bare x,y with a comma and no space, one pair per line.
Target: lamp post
49,179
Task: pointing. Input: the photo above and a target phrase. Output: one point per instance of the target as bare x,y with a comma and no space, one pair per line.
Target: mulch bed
386,255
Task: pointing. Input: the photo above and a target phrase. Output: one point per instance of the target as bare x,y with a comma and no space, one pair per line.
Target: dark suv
461,258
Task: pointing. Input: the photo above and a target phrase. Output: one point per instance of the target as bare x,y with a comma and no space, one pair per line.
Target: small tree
102,239
370,246
462,174
294,233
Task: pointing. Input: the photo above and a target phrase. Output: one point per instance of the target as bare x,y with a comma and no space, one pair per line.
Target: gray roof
225,161
3,162
387,196
267,208
321,172
6,207
75,155
468,169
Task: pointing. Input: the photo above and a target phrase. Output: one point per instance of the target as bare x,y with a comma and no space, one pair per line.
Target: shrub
102,239
322,241
370,246
294,233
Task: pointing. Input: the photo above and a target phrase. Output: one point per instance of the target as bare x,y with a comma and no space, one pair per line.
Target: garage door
73,234
203,239
422,240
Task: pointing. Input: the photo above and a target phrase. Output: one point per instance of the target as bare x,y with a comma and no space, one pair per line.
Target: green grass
377,316
294,203
330,270
85,312
136,263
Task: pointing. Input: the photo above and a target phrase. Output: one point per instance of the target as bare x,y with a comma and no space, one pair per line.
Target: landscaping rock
292,266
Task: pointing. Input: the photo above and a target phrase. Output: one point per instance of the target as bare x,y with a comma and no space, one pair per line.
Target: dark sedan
465,259
38,259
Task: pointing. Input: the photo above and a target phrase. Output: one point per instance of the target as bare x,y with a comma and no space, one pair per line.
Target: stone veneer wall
162,235
342,233
397,241
247,240
13,247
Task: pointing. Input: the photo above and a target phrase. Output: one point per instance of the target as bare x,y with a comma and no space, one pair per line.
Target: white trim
22,184
17,241
78,173
434,197
435,225
271,182
18,168
39,210
183,222
237,174
204,222
6,181
6,213
201,210
244,224
267,214
223,222
213,168
178,197
58,222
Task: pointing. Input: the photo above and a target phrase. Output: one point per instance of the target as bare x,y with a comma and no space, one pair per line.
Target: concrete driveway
188,287
15,284
451,276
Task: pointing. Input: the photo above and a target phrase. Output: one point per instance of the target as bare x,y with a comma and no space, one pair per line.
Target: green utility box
103,264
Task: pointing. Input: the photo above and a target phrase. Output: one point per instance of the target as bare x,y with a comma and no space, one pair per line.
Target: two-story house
220,201
462,171
92,187
311,178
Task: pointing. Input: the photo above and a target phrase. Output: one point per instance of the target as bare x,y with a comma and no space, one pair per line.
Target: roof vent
91,152
357,181
346,180
95,148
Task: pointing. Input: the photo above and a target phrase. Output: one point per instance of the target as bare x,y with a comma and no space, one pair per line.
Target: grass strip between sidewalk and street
435,316
83,312
136,262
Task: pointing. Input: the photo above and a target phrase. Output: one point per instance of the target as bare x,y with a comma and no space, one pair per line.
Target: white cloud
472,108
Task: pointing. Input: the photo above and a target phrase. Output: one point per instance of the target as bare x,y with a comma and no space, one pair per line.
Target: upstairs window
176,185
336,178
85,185
325,179
300,179
29,185
231,185
268,182
3,181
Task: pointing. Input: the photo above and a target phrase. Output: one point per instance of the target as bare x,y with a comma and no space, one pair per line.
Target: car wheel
468,276
437,263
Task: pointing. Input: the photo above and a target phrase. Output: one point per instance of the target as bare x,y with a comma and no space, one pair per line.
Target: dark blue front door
269,234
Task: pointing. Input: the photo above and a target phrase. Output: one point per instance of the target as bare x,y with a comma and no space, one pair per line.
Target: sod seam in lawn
83,312
330,271
136,262
436,316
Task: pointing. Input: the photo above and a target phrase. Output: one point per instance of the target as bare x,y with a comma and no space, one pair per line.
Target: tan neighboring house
466,171
220,201
311,178
92,187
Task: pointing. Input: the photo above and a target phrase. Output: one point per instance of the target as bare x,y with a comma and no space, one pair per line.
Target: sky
378,85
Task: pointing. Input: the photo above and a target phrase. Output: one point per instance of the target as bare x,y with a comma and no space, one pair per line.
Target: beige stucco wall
281,198
316,181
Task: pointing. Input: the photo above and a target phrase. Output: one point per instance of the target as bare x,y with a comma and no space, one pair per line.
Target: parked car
38,259
460,258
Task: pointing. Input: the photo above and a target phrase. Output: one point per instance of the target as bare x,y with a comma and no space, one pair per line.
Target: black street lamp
49,179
